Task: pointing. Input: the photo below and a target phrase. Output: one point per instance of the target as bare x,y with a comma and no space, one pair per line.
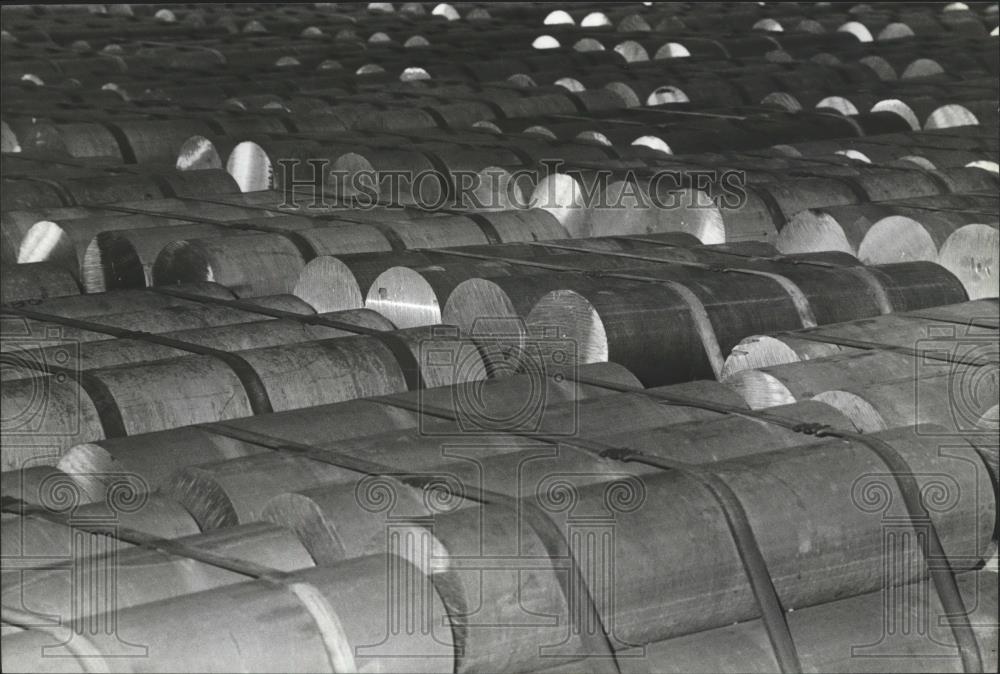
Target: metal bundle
499,337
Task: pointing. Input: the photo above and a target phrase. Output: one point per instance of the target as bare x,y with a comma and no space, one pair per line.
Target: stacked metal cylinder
501,337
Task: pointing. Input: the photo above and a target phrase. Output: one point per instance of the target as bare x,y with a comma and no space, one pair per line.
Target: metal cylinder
785,384
144,576
225,337
324,611
482,403
250,266
35,281
216,493
897,329
698,601
828,637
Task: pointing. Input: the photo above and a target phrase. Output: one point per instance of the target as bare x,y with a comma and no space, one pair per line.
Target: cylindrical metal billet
35,281
479,405
325,612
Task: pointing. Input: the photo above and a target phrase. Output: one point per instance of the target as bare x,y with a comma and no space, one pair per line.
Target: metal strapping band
484,224
778,216
124,145
881,295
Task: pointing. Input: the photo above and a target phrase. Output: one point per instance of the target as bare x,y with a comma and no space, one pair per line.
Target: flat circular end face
951,115
369,69
769,25
972,253
8,140
196,153
898,107
570,84
823,58
633,23
181,262
479,307
496,188
859,411
810,231
921,68
782,100
488,126
667,94
595,19
896,239
760,389
254,26
404,297
880,67
858,30
44,240
757,352
855,155
545,42
111,262
250,167
352,164
594,137
560,195
624,208
574,326
985,165
588,44
413,9
787,150
558,17
412,73
624,92
810,26
523,81
327,284
447,11
653,143
632,51
895,31
672,50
